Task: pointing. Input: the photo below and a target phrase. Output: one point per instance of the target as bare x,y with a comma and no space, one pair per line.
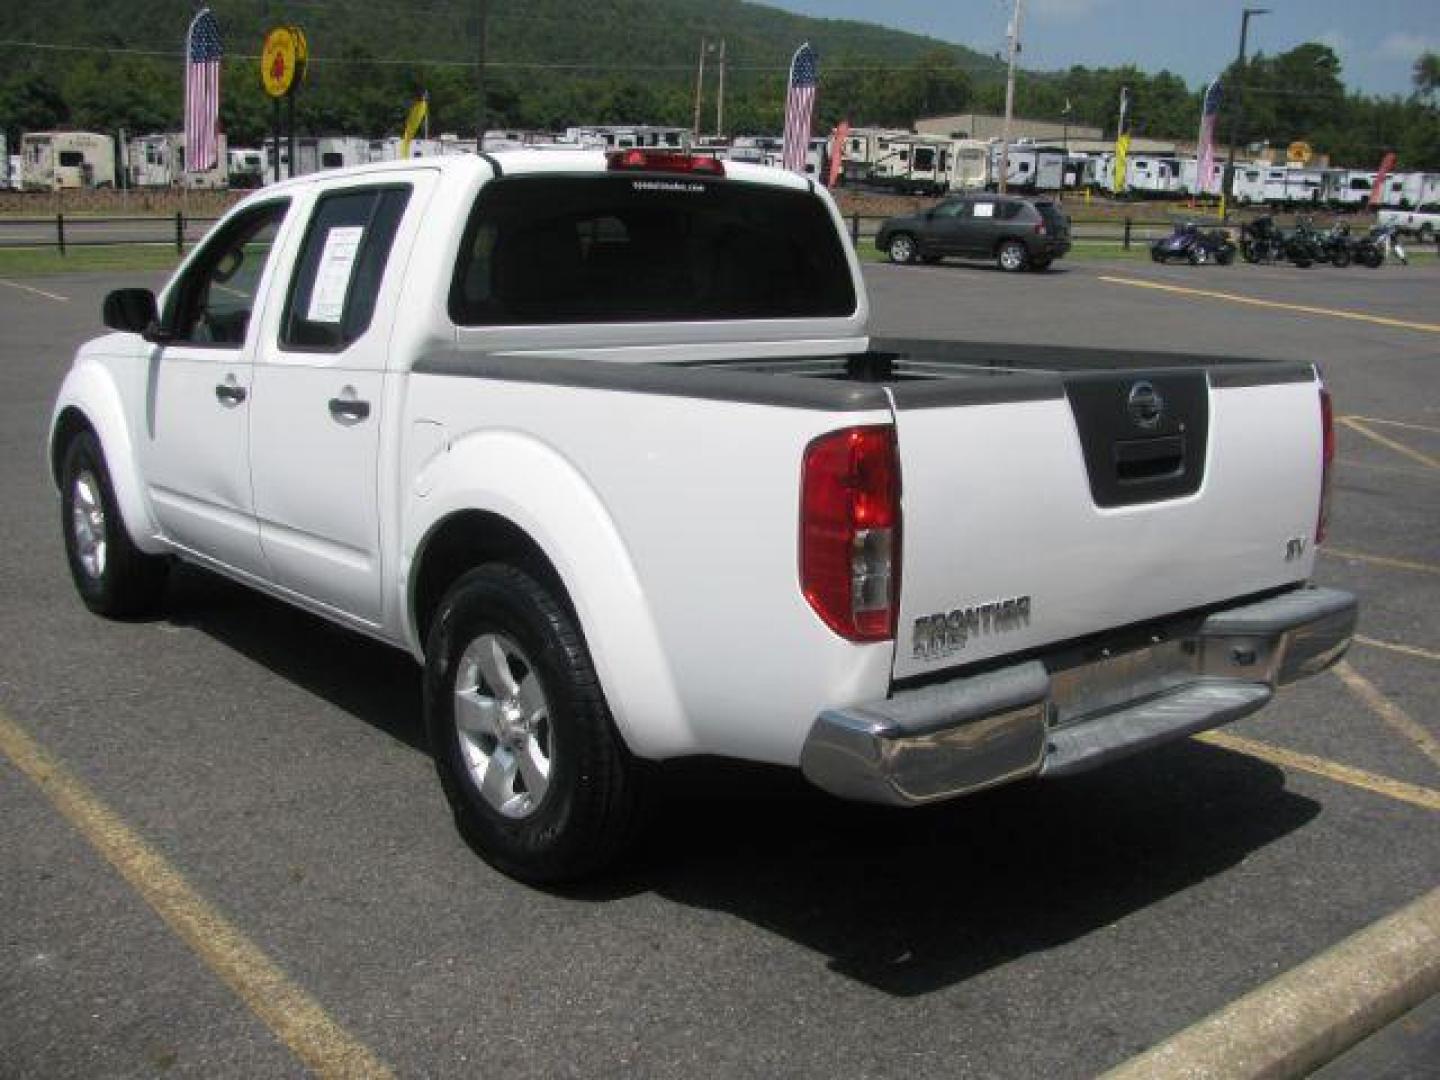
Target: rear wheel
1011,256
112,575
528,755
902,248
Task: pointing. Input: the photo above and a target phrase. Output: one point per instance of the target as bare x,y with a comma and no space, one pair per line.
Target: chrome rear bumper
945,740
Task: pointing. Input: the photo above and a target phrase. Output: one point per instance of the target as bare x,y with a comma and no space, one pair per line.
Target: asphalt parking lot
310,870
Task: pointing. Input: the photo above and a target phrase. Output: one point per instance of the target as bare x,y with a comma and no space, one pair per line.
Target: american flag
1205,179
799,104
202,93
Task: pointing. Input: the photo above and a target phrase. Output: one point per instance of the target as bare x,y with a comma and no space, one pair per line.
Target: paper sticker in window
332,279
984,209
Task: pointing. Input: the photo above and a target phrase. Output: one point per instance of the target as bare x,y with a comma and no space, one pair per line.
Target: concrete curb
1311,1014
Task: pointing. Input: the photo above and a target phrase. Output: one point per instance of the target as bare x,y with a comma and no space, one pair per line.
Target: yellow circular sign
1298,152
280,60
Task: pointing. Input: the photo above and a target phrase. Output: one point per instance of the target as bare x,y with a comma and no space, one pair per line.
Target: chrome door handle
349,410
229,394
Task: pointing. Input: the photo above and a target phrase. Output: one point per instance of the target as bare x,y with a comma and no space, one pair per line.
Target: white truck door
195,441
319,392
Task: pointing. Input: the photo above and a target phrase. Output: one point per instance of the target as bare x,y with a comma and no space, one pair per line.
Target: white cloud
1403,45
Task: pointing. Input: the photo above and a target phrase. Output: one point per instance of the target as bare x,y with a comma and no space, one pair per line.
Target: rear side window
342,261
626,248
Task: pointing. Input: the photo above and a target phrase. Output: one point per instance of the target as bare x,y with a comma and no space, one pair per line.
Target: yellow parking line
1390,444
1331,770
1304,309
1381,560
1394,716
1408,650
37,292
1393,470
296,1019
1394,423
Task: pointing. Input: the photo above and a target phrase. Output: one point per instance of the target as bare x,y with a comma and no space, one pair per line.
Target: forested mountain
554,63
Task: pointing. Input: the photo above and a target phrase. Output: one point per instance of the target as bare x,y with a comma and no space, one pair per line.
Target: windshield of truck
647,247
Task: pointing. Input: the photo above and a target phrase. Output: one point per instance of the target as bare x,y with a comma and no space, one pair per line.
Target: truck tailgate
1042,508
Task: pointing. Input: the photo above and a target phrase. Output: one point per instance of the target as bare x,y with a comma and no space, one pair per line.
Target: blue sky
1377,40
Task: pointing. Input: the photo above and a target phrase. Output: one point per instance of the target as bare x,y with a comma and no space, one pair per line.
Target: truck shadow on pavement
912,901
905,901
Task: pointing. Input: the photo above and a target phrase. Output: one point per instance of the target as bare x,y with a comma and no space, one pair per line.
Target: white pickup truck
603,443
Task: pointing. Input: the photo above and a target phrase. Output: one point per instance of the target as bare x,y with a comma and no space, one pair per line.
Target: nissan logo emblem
1145,405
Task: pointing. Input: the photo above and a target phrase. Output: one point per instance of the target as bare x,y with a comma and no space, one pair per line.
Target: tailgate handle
1140,461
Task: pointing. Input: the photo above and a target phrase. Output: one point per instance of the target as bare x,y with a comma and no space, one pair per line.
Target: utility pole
720,96
1013,45
483,18
1239,90
699,92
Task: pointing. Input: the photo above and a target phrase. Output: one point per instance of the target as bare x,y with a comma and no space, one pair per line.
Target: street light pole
483,17
1013,48
1239,88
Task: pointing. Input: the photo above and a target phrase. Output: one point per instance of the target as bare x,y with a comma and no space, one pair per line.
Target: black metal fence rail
1125,231
60,232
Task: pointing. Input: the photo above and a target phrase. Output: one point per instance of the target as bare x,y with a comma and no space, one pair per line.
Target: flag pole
1013,44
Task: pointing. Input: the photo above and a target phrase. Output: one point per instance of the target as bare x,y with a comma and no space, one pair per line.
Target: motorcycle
1336,246
1384,240
1367,250
1194,245
1262,241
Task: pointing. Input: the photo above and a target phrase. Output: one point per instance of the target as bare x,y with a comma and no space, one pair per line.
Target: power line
541,65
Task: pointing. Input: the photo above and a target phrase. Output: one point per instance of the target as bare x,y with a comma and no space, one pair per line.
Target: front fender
90,391
519,478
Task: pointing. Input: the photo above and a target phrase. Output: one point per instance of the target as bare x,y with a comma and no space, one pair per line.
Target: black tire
1340,258
112,576
902,249
589,810
1011,256
1225,256
1155,256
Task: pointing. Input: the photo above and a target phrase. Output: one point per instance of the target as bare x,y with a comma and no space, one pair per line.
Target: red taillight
1327,462
1040,228
664,161
850,531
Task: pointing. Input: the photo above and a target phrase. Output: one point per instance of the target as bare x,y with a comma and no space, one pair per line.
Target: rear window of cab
647,247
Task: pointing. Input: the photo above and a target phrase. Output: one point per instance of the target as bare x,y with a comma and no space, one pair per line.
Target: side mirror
130,311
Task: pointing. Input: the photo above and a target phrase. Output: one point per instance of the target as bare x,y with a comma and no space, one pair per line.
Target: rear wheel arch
464,540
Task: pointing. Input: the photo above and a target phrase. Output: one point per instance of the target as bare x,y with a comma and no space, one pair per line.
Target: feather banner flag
837,152
800,107
414,120
203,52
1207,180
